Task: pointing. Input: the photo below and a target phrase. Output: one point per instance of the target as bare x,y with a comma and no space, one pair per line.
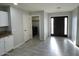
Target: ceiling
48,7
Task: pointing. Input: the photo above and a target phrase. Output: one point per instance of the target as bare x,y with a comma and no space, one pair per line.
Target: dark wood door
59,26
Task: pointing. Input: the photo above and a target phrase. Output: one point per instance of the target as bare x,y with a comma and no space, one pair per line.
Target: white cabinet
2,50
8,43
3,18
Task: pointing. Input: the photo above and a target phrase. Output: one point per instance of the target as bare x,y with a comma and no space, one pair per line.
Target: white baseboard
19,45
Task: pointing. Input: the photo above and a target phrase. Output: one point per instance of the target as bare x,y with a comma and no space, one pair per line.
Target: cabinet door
8,43
26,26
3,18
2,46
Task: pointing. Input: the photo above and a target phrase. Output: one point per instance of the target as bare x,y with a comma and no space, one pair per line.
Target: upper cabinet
3,18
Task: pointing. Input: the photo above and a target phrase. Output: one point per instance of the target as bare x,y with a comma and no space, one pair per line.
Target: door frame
67,25
39,24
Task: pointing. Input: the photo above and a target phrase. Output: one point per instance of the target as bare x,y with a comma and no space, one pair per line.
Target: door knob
25,30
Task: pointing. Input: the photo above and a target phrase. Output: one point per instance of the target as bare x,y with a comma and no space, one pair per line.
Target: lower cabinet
6,44
2,50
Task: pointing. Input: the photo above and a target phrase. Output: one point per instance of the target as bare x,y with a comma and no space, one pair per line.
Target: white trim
39,24
18,45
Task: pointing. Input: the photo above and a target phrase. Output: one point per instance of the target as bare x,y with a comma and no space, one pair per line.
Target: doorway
35,26
59,26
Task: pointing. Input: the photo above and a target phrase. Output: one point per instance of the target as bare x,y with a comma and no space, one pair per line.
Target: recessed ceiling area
48,7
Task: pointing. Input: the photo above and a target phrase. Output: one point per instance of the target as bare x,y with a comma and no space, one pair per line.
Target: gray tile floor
54,46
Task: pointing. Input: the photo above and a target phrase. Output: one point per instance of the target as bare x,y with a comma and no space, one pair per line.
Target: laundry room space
35,26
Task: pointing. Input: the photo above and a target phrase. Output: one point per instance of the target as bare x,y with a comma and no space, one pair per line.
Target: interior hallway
54,46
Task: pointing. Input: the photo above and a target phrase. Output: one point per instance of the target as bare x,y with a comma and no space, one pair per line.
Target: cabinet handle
25,30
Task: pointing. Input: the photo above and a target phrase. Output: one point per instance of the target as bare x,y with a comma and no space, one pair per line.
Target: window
52,25
65,26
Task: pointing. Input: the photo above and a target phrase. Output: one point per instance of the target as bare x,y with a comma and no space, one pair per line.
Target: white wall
74,24
17,25
77,35
61,14
45,25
